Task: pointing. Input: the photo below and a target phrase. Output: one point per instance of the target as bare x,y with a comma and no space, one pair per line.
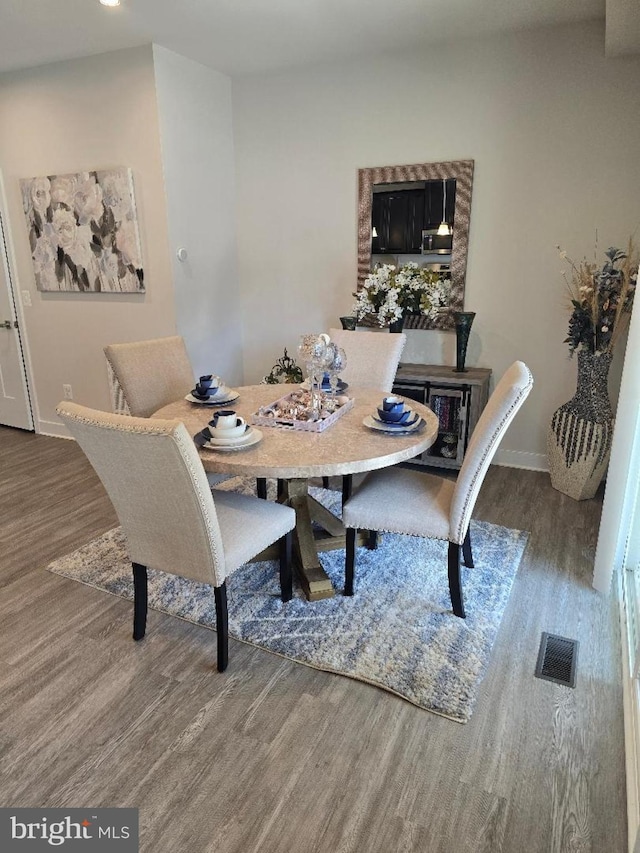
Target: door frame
12,283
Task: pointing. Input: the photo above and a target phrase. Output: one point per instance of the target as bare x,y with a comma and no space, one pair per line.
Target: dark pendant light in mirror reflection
463,321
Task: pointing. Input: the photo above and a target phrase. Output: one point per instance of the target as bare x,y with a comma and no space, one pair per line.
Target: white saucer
221,441
379,427
218,399
251,437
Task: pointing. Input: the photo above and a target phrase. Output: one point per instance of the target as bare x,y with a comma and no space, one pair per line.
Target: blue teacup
393,404
398,417
207,385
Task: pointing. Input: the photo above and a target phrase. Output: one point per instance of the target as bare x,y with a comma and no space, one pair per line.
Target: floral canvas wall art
83,232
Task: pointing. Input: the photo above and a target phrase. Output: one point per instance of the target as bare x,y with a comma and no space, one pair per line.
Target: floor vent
557,659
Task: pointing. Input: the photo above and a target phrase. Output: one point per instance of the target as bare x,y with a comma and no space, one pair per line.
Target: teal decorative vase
349,323
397,325
463,321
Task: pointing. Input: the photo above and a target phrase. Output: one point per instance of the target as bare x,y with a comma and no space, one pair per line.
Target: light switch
26,298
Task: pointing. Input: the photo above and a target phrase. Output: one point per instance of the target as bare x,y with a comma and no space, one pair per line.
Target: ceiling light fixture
444,230
110,2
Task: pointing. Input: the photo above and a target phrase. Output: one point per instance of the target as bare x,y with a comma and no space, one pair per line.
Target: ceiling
252,36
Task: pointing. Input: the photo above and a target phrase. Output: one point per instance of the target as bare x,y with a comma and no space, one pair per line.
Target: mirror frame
462,171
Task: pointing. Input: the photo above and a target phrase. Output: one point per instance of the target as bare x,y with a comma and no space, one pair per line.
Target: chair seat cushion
248,525
397,500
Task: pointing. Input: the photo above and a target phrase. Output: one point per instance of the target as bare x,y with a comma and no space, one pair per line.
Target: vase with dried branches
579,438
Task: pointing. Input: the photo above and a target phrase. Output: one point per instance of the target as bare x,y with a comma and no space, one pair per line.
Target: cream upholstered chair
144,376
149,374
155,479
372,362
372,357
398,500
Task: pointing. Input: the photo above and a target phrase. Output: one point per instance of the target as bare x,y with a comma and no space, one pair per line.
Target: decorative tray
292,412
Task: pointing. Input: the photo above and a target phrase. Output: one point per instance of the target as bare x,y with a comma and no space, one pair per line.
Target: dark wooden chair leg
455,585
467,554
350,561
325,482
139,600
347,487
372,540
261,487
280,488
222,626
286,574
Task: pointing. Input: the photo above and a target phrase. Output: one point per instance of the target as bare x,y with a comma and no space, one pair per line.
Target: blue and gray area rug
397,632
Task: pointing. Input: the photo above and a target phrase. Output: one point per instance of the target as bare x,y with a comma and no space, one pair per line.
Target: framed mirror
413,206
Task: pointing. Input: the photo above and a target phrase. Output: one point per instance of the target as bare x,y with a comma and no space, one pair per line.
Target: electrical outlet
26,299
68,392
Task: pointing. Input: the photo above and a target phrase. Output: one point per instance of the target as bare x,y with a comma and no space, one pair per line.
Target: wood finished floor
272,756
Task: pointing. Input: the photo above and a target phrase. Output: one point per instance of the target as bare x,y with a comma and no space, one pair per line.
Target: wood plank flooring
226,763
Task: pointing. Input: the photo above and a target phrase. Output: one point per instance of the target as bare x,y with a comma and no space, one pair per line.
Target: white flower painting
83,232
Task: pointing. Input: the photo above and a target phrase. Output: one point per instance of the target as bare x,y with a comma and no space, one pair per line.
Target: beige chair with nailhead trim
144,376
372,362
155,479
151,374
398,500
372,357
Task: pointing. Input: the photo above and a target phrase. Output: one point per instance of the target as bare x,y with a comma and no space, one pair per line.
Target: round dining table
293,457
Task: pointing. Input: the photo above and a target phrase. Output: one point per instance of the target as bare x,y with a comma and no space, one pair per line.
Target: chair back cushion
151,373
509,394
157,485
372,357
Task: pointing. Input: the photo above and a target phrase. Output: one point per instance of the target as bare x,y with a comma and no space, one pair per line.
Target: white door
15,407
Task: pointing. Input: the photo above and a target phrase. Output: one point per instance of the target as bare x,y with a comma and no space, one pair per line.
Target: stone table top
346,447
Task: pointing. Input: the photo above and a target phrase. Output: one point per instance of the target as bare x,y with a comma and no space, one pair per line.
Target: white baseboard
53,428
522,459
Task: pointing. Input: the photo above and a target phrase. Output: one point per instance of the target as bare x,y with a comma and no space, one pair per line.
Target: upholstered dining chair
171,521
372,357
148,374
144,376
397,500
372,362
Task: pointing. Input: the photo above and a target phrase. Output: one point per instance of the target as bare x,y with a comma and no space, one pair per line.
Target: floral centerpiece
579,438
388,293
602,298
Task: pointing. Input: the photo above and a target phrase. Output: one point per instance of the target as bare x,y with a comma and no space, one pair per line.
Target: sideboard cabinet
456,398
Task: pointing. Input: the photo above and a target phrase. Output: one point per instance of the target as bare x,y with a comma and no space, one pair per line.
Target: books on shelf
447,410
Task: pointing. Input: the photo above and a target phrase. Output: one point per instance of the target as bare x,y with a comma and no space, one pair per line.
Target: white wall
554,129
194,107
81,115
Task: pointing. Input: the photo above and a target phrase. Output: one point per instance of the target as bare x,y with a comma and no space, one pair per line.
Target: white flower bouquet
389,293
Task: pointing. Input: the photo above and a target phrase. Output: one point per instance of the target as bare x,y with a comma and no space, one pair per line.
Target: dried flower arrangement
601,298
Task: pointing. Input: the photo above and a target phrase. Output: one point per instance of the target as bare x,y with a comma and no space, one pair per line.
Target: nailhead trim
498,430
